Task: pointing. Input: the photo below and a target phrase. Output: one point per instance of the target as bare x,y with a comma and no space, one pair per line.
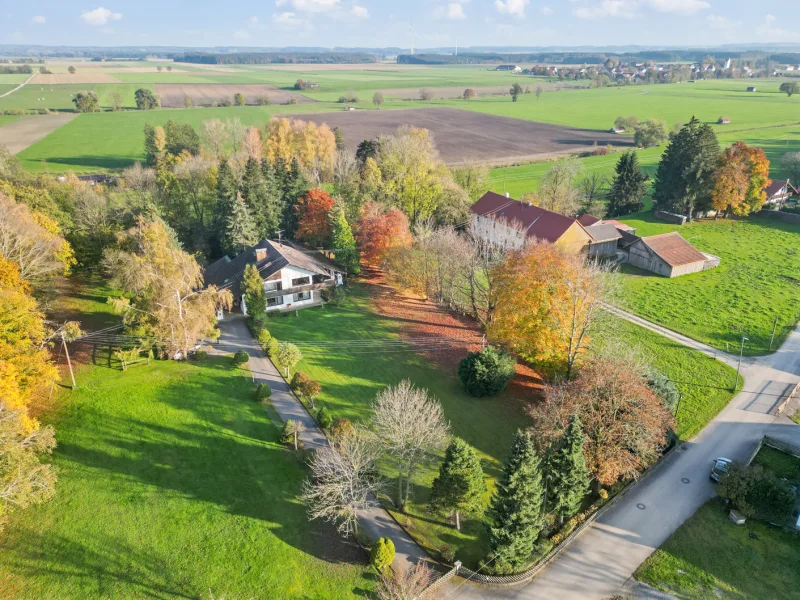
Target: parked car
720,469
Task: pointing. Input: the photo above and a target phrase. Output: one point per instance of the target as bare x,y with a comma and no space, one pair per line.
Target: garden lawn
710,557
705,384
782,464
172,484
757,281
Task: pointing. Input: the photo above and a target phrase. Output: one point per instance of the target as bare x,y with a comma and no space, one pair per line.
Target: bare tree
594,188
557,191
410,426
406,583
253,144
343,481
236,133
214,136
426,95
539,90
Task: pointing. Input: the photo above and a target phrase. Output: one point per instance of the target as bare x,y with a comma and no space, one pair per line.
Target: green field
59,97
7,119
756,281
350,382
12,80
710,557
172,483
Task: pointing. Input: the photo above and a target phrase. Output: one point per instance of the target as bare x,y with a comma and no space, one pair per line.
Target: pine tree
516,508
294,185
262,200
628,187
239,231
226,196
567,473
253,288
460,487
343,242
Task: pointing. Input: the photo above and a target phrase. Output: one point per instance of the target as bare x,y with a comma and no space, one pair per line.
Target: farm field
8,119
59,97
349,384
756,282
173,94
710,557
12,79
20,133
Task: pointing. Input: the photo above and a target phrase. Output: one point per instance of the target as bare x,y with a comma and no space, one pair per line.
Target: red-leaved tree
313,217
379,230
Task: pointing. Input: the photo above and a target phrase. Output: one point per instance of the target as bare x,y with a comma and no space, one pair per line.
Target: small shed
724,121
604,239
668,254
752,88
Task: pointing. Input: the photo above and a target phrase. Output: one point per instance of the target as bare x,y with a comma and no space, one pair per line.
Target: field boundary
21,85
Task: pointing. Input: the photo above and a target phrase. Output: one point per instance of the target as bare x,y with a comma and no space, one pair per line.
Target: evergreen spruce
685,175
337,135
460,487
226,195
253,288
567,473
294,186
344,243
516,510
239,231
262,200
628,187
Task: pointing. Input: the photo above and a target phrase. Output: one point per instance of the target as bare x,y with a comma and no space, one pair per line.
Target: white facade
497,232
291,277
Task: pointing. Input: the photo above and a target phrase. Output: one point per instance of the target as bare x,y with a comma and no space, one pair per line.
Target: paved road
600,561
376,521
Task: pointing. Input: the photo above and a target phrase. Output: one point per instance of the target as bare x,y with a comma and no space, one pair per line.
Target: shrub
381,554
288,355
263,101
664,388
200,355
324,418
342,427
448,553
488,372
225,103
311,389
298,381
241,358
289,429
603,493
758,493
272,348
264,338
263,392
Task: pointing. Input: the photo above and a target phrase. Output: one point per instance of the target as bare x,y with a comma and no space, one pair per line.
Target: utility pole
69,362
739,365
774,327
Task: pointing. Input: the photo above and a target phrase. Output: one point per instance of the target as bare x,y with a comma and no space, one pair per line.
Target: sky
383,23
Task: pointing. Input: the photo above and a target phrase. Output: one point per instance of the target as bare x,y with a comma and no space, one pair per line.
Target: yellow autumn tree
314,146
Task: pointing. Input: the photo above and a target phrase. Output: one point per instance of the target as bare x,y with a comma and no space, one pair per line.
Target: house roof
674,249
228,273
587,220
603,232
776,187
534,221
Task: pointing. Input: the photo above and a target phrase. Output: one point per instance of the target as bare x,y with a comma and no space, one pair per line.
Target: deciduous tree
459,488
86,102
468,94
379,230
651,133
741,180
314,217
407,583
146,99
790,88
515,91
377,100
115,101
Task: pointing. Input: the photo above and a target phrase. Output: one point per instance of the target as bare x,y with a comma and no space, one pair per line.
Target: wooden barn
668,254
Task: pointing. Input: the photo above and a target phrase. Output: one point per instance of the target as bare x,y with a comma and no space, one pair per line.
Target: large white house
294,276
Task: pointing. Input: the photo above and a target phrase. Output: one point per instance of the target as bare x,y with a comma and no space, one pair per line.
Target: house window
302,296
301,281
274,301
273,286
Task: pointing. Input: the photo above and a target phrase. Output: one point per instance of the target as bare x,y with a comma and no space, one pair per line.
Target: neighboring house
512,68
779,191
668,254
588,220
294,276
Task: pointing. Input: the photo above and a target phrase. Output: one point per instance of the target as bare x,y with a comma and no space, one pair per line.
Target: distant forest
267,58
594,58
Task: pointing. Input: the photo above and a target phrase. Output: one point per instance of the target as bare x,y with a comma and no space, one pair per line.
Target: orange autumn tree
741,180
313,217
380,230
625,422
547,304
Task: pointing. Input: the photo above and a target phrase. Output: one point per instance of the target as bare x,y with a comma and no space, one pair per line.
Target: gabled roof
674,249
228,273
534,221
587,220
776,187
603,232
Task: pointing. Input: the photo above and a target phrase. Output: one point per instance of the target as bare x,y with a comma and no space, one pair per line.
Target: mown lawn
172,484
351,379
757,281
710,557
782,464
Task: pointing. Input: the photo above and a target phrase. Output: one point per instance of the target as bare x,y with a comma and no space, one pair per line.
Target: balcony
299,289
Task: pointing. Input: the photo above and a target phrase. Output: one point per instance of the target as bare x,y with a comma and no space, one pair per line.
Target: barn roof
776,186
534,221
603,232
674,249
587,220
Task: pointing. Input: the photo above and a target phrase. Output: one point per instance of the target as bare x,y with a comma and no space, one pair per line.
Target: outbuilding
668,254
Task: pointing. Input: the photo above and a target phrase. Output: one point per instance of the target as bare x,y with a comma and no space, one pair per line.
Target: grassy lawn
756,281
172,484
782,464
710,557
351,380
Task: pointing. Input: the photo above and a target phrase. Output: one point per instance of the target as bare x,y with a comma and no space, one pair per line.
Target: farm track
20,86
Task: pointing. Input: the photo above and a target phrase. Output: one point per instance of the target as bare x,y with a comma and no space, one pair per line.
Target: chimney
261,254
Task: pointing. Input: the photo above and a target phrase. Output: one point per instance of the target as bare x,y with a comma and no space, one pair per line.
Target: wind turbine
413,35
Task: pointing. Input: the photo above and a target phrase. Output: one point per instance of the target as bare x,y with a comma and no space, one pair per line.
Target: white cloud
100,16
768,31
253,20
625,9
545,11
39,20
360,12
682,7
241,35
452,12
312,6
723,23
289,19
511,7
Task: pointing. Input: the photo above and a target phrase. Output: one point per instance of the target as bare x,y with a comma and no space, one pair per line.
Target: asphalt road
601,560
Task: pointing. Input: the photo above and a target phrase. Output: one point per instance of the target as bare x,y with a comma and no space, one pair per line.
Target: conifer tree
460,487
628,187
515,512
344,243
226,195
567,473
239,231
253,288
294,185
262,200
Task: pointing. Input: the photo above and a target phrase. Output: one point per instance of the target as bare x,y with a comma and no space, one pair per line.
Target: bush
603,493
263,101
758,493
287,434
288,355
341,428
324,418
241,358
272,348
448,554
200,355
263,392
663,387
381,554
298,381
264,338
486,373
